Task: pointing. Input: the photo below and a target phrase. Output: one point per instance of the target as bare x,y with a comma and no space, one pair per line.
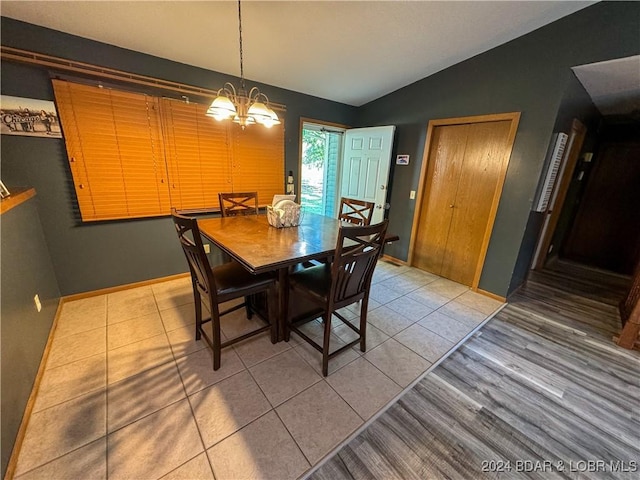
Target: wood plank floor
540,391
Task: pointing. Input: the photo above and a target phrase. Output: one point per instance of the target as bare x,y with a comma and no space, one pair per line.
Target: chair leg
198,307
363,324
272,302
248,305
325,344
215,330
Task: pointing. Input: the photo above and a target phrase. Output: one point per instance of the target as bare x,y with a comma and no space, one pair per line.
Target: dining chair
345,281
214,286
245,203
355,211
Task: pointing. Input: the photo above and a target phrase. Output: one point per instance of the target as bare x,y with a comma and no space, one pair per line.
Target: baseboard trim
119,288
395,260
17,446
492,295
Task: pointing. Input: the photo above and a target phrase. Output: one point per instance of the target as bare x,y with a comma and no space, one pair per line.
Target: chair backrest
245,203
357,252
355,211
191,242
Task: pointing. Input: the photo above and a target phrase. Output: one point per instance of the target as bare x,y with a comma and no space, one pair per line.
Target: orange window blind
134,155
115,149
198,155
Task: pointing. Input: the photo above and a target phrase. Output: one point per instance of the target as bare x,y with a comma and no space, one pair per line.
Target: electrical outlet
36,300
412,195
207,248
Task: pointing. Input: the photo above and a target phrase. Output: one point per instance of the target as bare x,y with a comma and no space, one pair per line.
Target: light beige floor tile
385,270
364,387
445,326
447,288
420,276
463,313
259,348
236,323
383,294
402,284
154,445
68,381
283,376
173,293
428,298
314,357
134,330
196,369
82,315
398,362
375,336
318,419
63,428
137,357
350,311
129,294
477,301
424,342
140,395
313,328
197,468
262,450
389,321
75,347
409,308
183,340
182,316
88,462
227,406
130,307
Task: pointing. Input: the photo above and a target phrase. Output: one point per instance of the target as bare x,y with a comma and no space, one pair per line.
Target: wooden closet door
486,147
446,156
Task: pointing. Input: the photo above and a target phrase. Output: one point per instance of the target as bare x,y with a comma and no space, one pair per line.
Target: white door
365,166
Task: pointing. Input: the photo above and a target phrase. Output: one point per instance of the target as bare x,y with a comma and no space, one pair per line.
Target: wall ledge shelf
18,196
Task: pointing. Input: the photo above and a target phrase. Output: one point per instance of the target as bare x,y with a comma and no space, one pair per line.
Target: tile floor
128,393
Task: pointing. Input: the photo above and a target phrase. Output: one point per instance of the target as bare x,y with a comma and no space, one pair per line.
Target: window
134,155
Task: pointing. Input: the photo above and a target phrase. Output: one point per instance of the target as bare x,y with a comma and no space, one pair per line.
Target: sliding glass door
321,157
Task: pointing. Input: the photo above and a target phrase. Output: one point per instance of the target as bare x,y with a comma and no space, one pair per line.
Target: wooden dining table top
259,247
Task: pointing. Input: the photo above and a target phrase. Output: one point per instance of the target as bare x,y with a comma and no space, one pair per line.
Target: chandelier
245,109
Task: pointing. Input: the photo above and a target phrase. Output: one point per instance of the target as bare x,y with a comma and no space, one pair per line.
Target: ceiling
614,85
350,52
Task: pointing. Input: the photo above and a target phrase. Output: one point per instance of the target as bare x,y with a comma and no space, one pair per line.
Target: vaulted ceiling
350,52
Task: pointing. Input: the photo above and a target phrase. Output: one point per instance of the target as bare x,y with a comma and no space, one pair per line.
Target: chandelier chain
241,52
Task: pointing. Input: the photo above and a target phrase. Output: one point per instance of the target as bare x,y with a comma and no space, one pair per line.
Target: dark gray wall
528,75
26,271
99,255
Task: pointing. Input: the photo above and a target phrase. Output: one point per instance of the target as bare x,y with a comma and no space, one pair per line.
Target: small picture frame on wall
402,160
29,117
4,192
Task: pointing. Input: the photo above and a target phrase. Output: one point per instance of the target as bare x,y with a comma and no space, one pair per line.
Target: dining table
260,247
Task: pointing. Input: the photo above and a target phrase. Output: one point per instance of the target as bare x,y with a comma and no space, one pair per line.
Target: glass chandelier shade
245,109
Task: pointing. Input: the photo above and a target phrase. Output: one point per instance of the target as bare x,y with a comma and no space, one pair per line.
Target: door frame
559,193
514,118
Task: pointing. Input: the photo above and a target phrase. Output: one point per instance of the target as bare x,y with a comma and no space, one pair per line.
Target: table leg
283,300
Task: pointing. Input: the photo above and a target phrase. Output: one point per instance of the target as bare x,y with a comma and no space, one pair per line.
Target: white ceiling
350,52
614,85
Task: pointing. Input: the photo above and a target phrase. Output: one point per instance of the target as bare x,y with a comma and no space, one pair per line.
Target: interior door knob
451,206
